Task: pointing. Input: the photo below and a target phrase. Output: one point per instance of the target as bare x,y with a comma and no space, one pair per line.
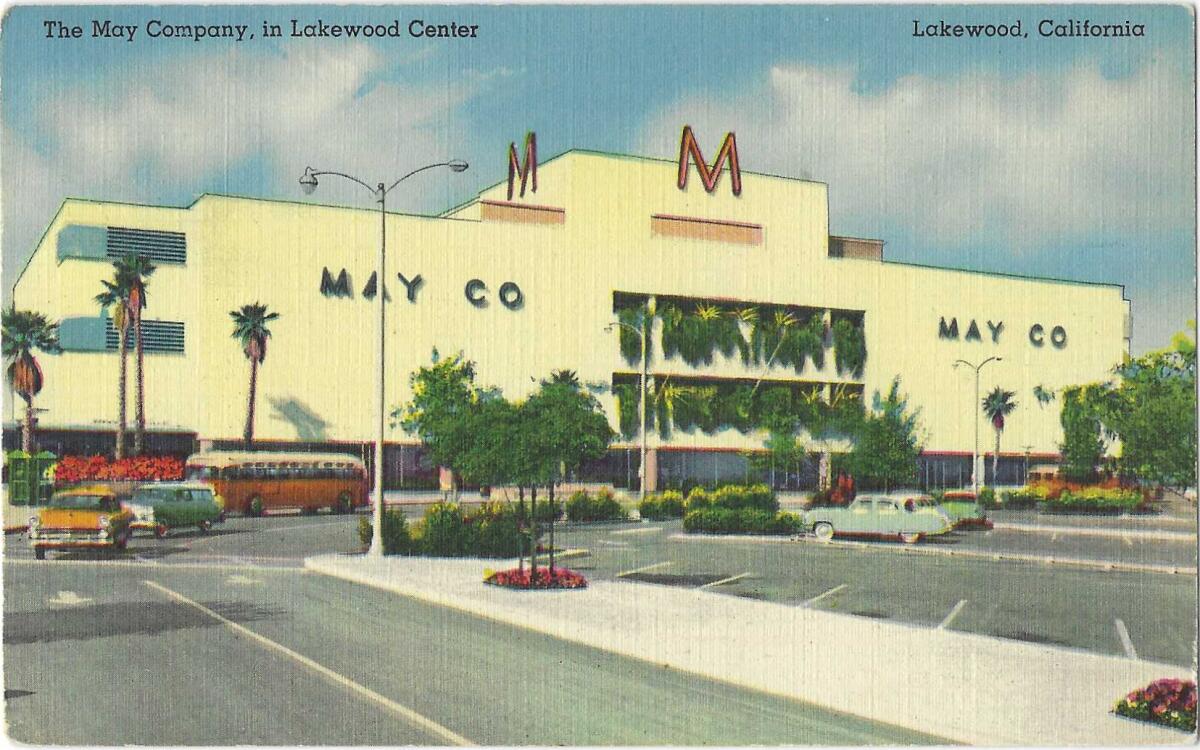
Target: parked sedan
964,509
886,516
165,506
88,517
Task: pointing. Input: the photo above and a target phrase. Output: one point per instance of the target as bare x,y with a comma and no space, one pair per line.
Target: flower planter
1078,510
520,579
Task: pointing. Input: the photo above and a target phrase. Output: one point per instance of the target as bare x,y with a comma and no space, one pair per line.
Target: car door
889,518
205,507
860,516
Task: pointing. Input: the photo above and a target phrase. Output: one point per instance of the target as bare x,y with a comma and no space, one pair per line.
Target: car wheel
254,508
160,531
823,531
911,537
204,526
39,553
344,503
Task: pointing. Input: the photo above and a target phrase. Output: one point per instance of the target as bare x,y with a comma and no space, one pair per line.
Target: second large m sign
475,290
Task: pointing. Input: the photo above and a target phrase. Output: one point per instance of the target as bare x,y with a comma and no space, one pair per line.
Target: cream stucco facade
586,233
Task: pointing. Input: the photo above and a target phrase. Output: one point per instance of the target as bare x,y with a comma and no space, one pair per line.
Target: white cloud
1029,161
181,127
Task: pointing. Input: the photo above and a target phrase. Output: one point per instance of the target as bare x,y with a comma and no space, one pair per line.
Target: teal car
907,517
964,509
164,506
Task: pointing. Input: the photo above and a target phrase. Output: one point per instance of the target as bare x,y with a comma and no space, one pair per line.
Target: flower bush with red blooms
1169,702
73,469
543,579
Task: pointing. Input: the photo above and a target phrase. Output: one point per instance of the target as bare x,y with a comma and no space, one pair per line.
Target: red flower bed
73,469
1169,702
520,579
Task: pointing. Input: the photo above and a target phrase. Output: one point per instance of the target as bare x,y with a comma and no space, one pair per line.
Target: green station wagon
964,509
908,517
169,505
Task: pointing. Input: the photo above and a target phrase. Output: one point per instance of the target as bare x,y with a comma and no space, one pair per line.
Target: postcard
599,375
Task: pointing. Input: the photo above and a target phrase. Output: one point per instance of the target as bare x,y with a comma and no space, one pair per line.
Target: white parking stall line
1054,537
644,569
819,597
1127,540
404,712
724,581
648,530
1130,651
953,613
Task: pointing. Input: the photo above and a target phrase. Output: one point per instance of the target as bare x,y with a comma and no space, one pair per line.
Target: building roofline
259,199
1003,274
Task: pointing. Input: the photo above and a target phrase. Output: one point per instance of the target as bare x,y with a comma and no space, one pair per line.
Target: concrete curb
909,549
1156,534
959,686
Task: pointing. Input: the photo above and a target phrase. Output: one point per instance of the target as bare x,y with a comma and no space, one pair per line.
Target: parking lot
955,582
1106,590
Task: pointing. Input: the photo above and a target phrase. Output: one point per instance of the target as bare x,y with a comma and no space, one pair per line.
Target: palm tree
250,328
116,296
138,268
996,405
24,332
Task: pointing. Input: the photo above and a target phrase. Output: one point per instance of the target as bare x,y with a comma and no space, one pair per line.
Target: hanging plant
850,348
627,408
698,334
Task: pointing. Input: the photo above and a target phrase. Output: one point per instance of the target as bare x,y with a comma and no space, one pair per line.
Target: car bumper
66,539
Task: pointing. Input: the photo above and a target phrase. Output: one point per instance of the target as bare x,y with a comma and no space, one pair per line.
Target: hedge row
602,506
741,521
733,497
661,506
492,530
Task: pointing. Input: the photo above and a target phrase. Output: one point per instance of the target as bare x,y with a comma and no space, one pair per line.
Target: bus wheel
204,526
254,507
39,553
344,503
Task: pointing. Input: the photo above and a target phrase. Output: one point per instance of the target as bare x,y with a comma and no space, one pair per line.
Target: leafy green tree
565,427
1082,415
138,270
443,396
25,332
250,328
886,443
996,406
116,295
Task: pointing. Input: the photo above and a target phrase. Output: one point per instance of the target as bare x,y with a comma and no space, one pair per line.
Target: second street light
308,182
643,333
975,415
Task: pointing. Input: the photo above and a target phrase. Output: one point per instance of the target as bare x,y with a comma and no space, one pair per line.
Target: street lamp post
308,182
975,406
642,332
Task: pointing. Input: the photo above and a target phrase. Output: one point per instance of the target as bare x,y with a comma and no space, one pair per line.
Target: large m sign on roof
689,151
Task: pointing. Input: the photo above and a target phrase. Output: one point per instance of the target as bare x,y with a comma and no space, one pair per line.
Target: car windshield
153,495
79,502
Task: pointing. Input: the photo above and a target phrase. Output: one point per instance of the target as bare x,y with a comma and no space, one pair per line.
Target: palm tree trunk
552,514
139,436
249,431
996,461
27,443
533,533
520,518
122,388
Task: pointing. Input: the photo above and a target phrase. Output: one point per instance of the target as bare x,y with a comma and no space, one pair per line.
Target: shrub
698,499
599,507
736,497
659,507
396,537
498,530
1020,499
543,579
447,533
717,520
544,513
1169,702
72,469
1095,498
987,497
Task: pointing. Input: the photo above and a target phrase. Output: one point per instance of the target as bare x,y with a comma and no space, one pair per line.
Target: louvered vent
157,336
158,246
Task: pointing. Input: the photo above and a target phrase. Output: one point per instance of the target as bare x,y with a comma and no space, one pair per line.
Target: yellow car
80,517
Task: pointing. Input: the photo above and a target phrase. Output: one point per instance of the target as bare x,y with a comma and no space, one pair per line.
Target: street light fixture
308,183
642,333
975,405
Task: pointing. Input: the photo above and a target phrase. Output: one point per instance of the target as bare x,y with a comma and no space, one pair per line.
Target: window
158,336
157,245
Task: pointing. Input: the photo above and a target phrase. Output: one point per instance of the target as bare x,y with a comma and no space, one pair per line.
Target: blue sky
1071,158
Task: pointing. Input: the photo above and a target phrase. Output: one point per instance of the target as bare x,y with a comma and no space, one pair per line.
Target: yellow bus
254,483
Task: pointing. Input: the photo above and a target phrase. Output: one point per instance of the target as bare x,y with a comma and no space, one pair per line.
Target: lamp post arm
410,174
352,178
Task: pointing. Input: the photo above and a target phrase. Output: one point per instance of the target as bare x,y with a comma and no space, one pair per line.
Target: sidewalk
962,687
